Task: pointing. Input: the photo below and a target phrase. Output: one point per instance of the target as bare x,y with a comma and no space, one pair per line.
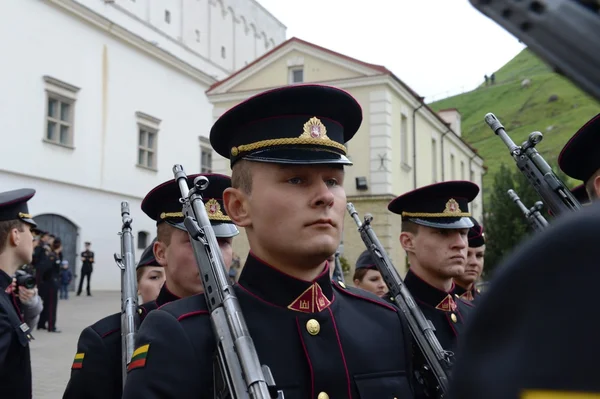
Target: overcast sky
437,47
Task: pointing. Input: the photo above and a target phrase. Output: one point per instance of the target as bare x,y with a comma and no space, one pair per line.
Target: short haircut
241,176
164,232
5,229
410,227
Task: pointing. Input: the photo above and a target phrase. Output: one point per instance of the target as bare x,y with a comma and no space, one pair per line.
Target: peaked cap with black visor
442,205
162,204
299,124
580,157
13,206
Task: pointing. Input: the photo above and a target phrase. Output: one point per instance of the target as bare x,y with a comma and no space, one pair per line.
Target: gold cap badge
314,129
452,207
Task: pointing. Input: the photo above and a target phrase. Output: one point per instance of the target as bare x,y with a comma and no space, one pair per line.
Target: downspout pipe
481,188
442,148
414,122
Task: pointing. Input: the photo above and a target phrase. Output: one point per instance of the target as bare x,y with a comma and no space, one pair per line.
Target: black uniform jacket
446,311
15,361
318,338
97,368
87,261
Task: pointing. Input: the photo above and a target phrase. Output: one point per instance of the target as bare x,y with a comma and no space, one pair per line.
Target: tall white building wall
115,78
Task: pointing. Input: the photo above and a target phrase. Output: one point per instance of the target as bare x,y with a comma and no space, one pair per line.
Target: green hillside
521,111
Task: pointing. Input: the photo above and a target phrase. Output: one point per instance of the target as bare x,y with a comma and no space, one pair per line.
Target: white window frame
62,93
205,148
150,125
291,74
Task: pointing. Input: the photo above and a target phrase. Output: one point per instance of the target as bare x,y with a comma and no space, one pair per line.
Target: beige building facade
401,145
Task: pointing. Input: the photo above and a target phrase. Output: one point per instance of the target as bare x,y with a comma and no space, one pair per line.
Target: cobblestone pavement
52,354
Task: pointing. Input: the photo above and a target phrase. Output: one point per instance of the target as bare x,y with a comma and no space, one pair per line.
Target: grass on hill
521,111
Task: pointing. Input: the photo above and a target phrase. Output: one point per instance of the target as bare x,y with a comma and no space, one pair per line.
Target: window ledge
70,147
146,168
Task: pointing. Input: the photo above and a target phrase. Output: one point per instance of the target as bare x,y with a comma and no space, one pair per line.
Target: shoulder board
108,325
187,307
362,295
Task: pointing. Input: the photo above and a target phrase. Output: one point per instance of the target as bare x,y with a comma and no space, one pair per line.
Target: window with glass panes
147,147
59,120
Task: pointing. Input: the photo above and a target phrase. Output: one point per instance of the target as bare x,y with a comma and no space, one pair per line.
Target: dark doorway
68,233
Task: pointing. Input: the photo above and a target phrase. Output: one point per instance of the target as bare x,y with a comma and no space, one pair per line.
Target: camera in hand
25,279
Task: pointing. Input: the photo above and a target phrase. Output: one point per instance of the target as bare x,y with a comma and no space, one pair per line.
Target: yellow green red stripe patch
139,357
78,361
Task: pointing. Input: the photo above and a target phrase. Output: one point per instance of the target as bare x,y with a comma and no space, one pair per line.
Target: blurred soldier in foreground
547,346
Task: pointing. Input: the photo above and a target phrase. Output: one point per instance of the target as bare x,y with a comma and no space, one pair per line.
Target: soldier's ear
159,248
597,185
237,206
407,241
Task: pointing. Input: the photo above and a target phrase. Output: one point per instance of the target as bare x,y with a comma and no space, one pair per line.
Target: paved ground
52,354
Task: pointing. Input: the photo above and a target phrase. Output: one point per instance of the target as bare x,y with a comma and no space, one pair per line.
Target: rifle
338,273
129,299
237,370
561,32
533,215
434,374
549,187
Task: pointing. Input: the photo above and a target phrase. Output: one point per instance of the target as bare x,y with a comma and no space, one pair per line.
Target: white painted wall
243,27
87,183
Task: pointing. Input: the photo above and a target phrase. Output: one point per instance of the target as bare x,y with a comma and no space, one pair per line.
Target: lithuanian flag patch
139,357
78,361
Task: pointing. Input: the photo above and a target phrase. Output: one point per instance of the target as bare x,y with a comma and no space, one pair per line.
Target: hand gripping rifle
237,370
549,187
129,298
533,215
434,373
562,32
338,272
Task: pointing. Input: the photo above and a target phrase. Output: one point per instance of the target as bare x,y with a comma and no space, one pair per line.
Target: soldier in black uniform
16,249
540,345
367,277
320,339
87,267
465,283
49,270
580,159
97,367
435,225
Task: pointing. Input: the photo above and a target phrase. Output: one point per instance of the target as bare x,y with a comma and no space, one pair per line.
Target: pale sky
437,47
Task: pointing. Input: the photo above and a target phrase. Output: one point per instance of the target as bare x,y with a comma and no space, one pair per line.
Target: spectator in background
66,276
87,267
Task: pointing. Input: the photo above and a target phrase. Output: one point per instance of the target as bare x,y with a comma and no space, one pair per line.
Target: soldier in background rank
150,275
580,157
96,370
286,148
367,277
16,249
547,346
465,283
581,194
435,225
